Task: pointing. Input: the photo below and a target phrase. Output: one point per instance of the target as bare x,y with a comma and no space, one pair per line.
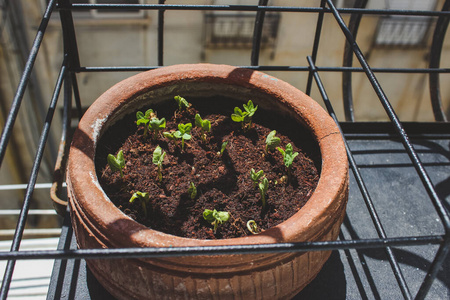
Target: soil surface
223,182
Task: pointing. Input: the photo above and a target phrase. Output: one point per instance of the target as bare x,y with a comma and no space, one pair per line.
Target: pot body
99,224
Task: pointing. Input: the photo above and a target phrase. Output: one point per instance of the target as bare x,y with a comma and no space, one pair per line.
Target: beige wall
133,42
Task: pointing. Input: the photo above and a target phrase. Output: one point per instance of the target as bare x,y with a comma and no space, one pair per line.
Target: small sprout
272,141
263,187
158,158
222,148
142,118
252,227
205,126
288,156
143,197
256,176
171,136
192,191
245,117
116,163
156,125
182,103
183,133
216,217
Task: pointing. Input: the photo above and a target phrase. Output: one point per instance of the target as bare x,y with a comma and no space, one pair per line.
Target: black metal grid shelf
380,154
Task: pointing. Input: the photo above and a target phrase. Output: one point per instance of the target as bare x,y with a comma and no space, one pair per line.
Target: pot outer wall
98,223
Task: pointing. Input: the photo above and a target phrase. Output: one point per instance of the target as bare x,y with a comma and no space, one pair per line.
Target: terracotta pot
98,223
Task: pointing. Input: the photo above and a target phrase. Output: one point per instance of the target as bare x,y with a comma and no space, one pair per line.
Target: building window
404,30
236,30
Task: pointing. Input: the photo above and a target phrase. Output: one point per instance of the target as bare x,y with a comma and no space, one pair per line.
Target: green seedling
216,217
142,118
143,197
116,163
183,133
256,176
288,156
252,227
192,191
272,141
222,148
158,158
156,125
182,103
244,117
171,136
263,187
205,126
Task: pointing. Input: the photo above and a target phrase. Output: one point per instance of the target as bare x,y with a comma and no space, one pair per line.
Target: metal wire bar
220,250
124,7
32,181
434,269
438,204
435,59
14,110
276,68
161,34
257,33
353,26
315,46
59,172
69,37
76,94
364,191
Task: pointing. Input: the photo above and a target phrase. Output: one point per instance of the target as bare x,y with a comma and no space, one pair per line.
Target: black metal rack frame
67,81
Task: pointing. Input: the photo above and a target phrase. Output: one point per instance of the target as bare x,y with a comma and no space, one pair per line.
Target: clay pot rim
96,208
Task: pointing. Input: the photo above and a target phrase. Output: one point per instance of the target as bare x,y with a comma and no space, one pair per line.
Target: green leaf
182,103
238,115
170,135
256,176
141,196
142,118
177,134
158,156
223,147
157,124
192,190
264,185
198,121
116,163
140,115
185,128
149,113
250,108
205,125
208,215
221,216
216,217
183,132
272,141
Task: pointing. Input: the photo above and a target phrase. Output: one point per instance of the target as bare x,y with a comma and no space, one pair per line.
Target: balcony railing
396,237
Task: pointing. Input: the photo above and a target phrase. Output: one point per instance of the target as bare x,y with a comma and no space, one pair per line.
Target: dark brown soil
223,183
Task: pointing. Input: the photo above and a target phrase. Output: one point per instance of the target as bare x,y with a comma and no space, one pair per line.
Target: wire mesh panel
394,241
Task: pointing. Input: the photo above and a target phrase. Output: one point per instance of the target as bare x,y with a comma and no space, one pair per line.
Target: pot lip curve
98,209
